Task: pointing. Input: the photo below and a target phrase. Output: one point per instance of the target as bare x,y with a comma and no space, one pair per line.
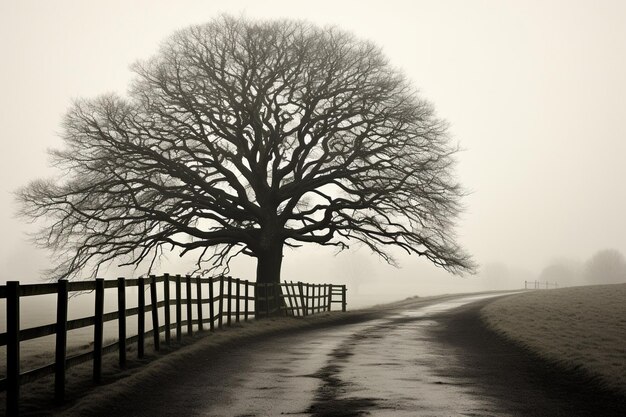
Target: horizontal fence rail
214,302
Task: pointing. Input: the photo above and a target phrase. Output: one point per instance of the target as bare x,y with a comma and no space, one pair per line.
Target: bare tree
241,137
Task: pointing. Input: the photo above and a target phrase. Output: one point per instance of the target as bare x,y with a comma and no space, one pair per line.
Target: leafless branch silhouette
241,137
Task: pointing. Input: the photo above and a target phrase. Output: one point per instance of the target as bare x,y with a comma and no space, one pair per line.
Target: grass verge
580,328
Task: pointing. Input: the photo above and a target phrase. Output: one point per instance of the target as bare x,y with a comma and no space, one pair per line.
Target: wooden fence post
237,296
189,306
277,299
343,298
293,297
98,331
299,306
246,308
329,289
167,312
156,337
255,287
289,308
320,298
61,341
221,303
230,300
199,303
141,317
267,299
179,312
310,294
13,347
211,307
121,320
302,299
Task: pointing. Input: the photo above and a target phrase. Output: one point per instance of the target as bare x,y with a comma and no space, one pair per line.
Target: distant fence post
61,341
156,337
13,347
179,311
141,317
267,299
98,331
121,320
189,306
343,298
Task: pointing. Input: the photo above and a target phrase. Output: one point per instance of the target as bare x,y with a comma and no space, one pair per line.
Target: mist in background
534,92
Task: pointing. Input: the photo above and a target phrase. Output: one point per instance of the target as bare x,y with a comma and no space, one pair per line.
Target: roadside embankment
580,328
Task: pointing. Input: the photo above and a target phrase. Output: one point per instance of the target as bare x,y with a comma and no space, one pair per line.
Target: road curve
425,359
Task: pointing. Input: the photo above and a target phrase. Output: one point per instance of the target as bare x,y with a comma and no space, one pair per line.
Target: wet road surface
400,364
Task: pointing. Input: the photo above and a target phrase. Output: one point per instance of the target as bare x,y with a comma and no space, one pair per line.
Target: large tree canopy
240,137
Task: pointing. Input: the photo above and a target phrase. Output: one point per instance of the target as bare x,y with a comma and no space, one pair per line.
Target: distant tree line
606,266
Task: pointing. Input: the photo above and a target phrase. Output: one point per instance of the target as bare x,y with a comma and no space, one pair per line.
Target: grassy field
580,327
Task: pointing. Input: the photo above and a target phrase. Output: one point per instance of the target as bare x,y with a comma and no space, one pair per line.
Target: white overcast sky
534,91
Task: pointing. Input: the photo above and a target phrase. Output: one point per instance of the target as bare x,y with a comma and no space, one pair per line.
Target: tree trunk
269,263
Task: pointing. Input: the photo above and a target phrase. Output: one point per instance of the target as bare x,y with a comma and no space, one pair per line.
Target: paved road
410,362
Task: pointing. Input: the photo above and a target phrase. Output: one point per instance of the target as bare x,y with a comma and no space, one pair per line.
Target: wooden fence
538,285
218,302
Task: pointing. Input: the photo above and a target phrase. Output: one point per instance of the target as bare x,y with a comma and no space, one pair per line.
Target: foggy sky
534,91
